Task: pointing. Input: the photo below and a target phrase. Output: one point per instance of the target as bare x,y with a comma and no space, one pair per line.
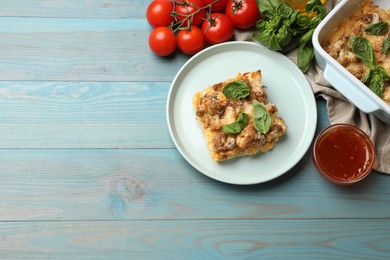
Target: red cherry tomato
159,12
162,41
243,13
190,41
217,6
217,28
190,10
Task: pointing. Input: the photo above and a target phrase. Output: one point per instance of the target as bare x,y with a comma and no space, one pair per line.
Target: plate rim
170,121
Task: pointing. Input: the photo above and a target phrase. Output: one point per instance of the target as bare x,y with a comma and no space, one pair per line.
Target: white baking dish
340,78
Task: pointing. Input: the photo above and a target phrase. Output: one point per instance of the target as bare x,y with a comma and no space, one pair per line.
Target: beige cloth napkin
340,110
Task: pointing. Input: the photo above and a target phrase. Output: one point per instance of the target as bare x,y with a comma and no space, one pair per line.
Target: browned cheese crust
338,45
214,110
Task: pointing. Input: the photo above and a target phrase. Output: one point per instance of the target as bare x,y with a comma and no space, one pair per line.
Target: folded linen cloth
340,110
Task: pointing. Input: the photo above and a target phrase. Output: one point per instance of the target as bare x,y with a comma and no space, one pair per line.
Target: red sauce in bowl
343,153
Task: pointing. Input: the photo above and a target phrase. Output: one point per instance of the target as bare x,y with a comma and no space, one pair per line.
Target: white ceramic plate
287,87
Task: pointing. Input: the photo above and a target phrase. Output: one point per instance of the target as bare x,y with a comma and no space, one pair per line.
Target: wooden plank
88,115
81,50
74,8
194,239
83,115
139,184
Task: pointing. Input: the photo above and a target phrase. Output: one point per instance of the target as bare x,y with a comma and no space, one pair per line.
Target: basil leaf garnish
376,80
377,76
386,45
362,48
236,90
377,28
237,126
261,117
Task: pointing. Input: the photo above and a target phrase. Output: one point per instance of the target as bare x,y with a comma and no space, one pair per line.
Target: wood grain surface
88,169
193,239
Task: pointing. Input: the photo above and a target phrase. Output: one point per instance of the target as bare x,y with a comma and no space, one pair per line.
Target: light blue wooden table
88,169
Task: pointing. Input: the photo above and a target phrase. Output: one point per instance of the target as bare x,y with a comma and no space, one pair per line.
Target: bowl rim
367,140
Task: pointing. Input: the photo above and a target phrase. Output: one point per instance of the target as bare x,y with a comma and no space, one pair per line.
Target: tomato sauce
343,154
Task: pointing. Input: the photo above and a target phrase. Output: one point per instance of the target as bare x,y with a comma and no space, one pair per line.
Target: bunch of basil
284,27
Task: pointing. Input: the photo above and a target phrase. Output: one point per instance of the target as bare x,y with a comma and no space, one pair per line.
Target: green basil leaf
284,10
305,51
362,48
232,128
284,36
305,56
316,6
302,23
377,28
294,16
268,7
236,90
237,126
375,81
386,45
384,73
266,36
307,37
261,117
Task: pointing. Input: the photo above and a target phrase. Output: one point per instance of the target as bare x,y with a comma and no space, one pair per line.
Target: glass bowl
343,154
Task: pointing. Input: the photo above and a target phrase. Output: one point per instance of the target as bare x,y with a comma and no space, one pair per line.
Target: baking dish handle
360,99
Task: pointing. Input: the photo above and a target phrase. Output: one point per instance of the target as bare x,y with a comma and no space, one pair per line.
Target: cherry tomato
162,41
159,12
190,41
217,6
217,28
243,13
190,10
